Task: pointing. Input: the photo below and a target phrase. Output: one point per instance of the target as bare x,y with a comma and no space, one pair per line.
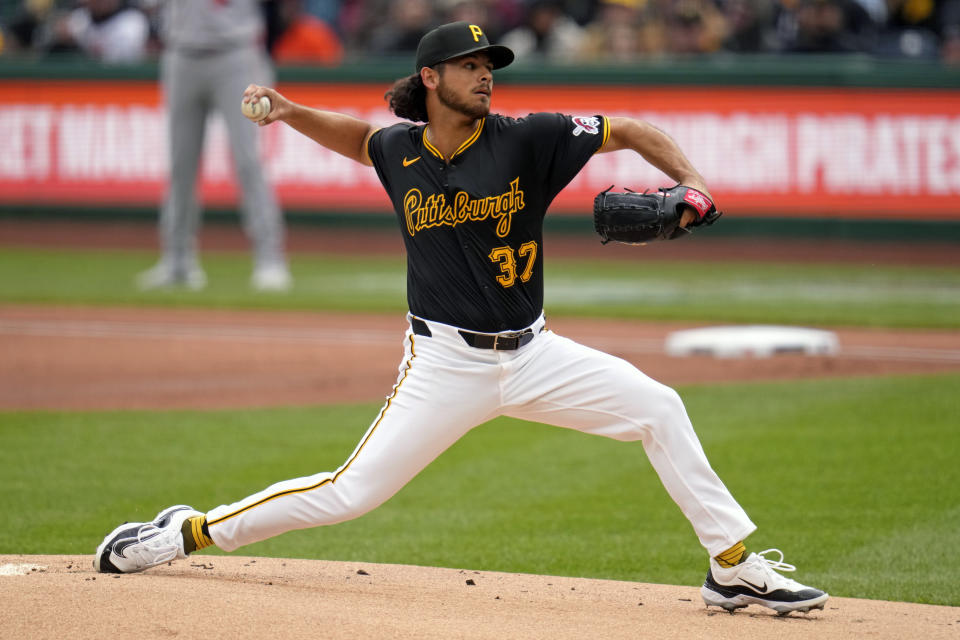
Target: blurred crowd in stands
326,32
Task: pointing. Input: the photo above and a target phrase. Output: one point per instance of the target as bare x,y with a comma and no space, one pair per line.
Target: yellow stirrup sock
195,533
732,556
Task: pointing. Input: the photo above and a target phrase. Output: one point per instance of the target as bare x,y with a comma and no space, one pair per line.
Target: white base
760,341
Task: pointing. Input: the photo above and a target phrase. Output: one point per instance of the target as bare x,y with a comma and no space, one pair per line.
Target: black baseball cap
459,39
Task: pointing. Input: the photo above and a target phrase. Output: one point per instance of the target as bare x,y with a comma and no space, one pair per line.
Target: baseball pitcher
470,190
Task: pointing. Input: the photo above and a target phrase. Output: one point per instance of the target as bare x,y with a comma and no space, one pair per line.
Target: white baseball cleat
163,276
136,546
755,581
274,277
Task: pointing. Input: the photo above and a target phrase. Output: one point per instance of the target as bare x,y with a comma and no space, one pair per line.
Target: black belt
496,341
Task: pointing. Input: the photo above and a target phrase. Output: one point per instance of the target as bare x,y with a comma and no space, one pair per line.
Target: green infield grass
854,479
731,292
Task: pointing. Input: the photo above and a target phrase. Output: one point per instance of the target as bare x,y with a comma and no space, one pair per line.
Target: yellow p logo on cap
476,31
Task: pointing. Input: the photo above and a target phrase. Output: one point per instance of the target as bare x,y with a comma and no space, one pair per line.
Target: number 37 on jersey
514,263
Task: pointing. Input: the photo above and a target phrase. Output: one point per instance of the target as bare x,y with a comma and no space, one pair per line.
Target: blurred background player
212,51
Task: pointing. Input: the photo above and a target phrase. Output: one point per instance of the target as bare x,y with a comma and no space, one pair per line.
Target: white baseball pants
194,88
445,388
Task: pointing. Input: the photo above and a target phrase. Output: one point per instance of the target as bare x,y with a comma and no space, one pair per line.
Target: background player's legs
179,216
184,93
262,218
435,402
560,382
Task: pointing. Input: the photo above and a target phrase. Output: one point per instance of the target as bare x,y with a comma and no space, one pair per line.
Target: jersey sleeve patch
586,124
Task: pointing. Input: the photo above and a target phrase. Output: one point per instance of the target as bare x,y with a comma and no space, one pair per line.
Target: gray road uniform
213,50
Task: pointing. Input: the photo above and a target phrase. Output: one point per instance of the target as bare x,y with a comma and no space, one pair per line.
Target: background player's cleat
136,546
755,581
163,276
273,277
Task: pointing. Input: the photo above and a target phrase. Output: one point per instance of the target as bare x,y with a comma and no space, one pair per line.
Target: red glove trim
698,201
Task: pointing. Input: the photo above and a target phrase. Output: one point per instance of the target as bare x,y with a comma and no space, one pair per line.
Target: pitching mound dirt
241,597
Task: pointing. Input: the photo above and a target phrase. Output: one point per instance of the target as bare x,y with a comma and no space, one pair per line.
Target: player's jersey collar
463,147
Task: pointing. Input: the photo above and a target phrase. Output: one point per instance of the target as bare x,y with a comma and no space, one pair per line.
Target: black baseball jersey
473,226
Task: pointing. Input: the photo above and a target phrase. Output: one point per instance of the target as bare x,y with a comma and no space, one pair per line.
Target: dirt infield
238,597
100,358
75,358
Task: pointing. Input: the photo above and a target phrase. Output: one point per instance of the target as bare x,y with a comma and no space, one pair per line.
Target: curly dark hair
407,98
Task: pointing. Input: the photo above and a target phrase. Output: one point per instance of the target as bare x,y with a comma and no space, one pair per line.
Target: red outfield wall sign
782,151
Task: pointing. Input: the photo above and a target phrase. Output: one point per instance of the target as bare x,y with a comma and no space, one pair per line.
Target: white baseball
256,110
